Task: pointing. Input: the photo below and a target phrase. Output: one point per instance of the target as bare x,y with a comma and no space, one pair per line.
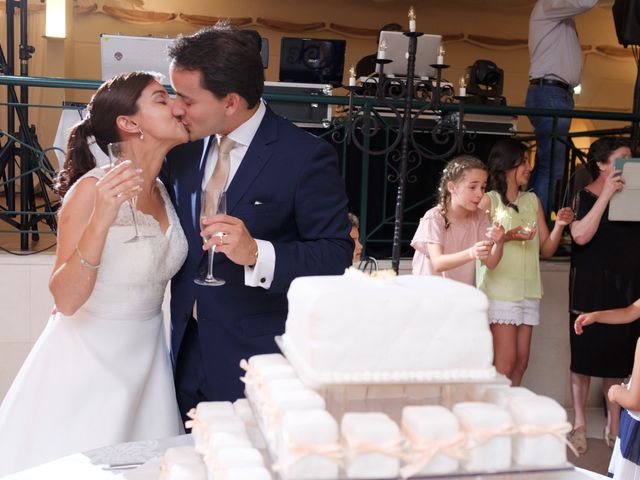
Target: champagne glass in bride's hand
212,202
119,152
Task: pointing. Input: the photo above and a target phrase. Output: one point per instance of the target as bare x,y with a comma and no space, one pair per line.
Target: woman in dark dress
605,274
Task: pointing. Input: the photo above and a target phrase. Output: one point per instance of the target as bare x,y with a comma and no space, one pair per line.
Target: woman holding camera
605,274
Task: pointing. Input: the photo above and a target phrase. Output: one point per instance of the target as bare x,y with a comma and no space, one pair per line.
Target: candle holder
403,153
436,96
381,62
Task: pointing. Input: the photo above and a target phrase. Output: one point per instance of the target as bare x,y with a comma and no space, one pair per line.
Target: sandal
578,439
609,440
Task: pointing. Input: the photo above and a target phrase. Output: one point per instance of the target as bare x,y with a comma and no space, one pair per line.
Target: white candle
352,81
412,19
352,76
463,87
440,58
382,50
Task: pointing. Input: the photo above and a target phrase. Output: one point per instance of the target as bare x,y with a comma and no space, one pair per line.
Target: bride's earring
141,134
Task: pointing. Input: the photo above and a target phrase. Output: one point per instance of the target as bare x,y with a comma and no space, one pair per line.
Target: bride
100,372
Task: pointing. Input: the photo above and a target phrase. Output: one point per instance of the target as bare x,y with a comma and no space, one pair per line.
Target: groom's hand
230,235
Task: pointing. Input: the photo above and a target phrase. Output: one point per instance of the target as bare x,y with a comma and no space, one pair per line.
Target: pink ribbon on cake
198,427
478,436
297,451
164,466
250,378
559,431
423,450
392,448
244,365
192,414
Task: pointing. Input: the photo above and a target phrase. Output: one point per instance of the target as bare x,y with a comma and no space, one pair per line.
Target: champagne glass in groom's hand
212,202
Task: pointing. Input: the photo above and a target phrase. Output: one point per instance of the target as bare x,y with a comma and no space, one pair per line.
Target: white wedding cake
384,377
356,328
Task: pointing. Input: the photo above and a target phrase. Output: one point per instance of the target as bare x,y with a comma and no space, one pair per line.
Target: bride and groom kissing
100,373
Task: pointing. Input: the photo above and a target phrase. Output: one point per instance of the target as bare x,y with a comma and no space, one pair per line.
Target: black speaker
626,16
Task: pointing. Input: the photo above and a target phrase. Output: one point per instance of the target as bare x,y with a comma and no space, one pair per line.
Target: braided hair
115,97
454,172
505,155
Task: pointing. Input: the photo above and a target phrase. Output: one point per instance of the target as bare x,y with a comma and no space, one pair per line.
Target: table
90,465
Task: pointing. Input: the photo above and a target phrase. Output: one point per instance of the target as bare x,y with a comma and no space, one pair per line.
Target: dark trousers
190,380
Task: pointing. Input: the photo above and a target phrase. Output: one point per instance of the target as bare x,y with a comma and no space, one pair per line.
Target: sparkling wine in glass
119,152
528,227
212,202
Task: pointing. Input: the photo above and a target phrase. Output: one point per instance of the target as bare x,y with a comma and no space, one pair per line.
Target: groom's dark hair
226,57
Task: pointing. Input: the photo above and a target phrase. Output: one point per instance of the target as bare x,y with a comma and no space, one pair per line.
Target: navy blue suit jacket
288,191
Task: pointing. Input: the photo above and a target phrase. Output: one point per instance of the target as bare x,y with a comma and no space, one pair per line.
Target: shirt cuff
261,274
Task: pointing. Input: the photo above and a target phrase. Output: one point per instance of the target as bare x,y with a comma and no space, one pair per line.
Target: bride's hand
120,184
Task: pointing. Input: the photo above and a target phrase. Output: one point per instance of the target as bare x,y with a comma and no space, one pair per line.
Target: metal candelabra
407,100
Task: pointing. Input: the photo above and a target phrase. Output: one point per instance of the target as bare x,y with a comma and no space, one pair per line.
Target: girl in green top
514,288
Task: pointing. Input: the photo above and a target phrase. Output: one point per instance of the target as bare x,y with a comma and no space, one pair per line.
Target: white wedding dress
102,375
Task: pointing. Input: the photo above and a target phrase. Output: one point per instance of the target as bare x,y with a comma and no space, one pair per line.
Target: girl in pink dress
455,233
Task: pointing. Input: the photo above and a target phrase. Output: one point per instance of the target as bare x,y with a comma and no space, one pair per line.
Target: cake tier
358,329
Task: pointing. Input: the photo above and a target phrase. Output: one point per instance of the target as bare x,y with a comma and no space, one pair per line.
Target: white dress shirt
242,136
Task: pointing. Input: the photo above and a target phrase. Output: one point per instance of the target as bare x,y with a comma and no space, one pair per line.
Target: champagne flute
119,152
212,202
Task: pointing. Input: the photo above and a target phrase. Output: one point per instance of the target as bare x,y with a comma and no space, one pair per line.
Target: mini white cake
218,440
202,434
242,473
355,328
301,399
203,415
182,463
243,411
283,401
488,429
308,447
372,445
282,385
231,457
502,397
434,440
542,425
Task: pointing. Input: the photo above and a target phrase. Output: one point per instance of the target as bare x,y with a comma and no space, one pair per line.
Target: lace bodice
133,276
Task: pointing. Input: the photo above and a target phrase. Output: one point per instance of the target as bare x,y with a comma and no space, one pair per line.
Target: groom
286,205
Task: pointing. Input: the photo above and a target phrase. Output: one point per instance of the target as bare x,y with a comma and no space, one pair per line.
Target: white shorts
526,312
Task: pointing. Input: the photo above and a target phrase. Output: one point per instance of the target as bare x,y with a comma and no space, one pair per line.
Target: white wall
26,304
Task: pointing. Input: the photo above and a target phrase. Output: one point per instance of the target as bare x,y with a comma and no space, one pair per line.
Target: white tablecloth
91,465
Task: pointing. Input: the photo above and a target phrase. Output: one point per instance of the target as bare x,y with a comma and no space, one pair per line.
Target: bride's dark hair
115,97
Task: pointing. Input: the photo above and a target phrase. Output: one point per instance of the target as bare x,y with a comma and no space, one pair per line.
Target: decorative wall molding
283,26
138,16
353,31
482,41
79,9
206,21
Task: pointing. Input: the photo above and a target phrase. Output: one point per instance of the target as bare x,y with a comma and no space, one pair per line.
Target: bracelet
84,263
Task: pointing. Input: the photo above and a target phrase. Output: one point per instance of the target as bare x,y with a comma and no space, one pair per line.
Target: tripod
21,148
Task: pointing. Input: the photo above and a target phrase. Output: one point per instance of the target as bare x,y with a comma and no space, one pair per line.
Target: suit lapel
257,156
